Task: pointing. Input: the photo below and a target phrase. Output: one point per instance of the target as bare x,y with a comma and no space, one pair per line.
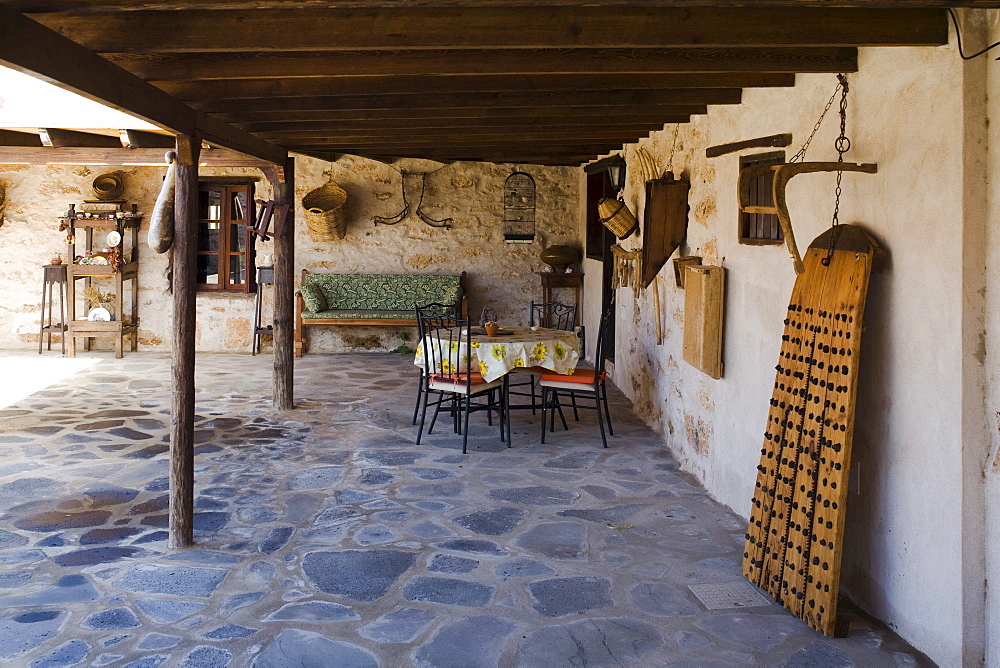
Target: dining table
513,347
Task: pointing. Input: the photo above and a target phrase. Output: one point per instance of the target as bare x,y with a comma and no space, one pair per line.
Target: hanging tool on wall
433,222
783,174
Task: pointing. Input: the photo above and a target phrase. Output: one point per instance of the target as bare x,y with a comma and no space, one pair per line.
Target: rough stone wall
500,275
904,543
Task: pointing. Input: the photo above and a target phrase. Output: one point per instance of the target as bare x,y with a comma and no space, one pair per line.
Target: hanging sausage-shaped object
161,223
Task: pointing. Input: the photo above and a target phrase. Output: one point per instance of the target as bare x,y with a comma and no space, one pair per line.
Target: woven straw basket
326,215
616,217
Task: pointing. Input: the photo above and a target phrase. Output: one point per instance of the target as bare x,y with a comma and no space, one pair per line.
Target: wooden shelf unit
127,224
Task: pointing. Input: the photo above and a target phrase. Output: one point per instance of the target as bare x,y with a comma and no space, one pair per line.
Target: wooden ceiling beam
595,147
254,64
277,129
60,138
432,136
638,98
497,27
141,139
371,143
219,89
28,155
522,130
29,47
515,157
612,113
100,6
12,138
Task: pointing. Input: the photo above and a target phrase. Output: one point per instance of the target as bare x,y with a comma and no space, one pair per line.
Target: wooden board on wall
664,223
704,297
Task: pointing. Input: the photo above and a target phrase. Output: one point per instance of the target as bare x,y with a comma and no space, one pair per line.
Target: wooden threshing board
793,543
704,294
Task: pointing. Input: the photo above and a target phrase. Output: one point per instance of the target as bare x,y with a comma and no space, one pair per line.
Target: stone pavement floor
326,537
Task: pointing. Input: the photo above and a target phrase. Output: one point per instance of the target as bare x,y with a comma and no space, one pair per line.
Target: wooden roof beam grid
29,47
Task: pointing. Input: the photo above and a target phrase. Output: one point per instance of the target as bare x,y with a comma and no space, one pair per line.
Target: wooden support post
284,290
182,366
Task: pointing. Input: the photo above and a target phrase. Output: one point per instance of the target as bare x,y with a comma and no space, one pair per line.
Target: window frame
226,221
760,229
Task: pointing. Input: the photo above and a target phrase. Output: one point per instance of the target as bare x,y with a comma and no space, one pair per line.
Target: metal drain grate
724,595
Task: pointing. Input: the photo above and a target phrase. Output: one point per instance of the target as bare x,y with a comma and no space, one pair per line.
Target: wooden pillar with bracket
284,288
184,285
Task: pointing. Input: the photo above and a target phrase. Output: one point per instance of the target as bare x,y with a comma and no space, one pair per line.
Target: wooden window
761,228
225,247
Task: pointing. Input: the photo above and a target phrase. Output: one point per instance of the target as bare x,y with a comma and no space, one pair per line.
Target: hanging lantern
519,209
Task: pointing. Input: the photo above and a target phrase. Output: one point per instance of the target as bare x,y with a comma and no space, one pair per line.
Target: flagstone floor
325,537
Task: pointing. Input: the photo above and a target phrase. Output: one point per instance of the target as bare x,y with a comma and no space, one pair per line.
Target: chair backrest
446,346
553,315
432,309
600,355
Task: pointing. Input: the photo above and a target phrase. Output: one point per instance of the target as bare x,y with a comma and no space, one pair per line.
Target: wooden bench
381,300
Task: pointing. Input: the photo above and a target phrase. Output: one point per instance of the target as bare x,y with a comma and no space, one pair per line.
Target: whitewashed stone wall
916,535
500,275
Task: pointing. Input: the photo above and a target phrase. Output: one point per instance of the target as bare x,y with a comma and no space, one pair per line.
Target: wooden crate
704,300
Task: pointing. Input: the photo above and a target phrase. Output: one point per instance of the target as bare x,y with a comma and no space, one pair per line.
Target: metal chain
673,147
802,151
843,145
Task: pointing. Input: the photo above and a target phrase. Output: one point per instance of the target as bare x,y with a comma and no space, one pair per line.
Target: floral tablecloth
552,349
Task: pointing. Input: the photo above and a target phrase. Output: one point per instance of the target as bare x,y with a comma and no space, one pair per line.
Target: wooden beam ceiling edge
525,131
279,86
638,98
83,7
252,64
152,157
29,47
529,27
277,129
610,112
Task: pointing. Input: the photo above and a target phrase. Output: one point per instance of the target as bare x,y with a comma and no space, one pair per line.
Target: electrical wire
958,34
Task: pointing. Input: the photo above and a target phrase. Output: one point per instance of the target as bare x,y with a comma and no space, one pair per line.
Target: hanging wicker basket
326,214
616,217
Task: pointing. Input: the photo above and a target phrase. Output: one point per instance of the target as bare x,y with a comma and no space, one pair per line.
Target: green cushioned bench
371,299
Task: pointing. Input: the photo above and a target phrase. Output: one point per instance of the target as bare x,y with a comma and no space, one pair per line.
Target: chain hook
843,145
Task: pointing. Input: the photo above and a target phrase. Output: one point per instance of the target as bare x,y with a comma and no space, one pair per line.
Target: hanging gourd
519,208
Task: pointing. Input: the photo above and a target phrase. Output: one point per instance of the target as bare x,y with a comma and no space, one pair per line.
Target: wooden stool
265,276
53,274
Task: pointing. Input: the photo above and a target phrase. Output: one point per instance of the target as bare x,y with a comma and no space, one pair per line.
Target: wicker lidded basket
326,212
616,217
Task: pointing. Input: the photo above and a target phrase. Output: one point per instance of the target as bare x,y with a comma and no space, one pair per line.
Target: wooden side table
53,274
553,281
265,276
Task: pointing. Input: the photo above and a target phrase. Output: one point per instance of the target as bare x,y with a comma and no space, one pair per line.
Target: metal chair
448,367
434,308
585,383
553,315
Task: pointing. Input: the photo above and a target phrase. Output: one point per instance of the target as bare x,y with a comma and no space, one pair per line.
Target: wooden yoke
782,175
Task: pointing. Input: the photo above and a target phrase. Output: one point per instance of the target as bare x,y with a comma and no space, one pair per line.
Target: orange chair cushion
475,377
582,376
